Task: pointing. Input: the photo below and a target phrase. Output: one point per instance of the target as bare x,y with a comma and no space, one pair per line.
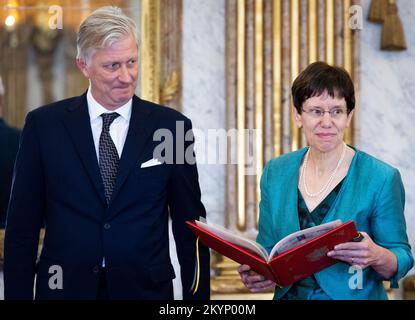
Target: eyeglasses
336,113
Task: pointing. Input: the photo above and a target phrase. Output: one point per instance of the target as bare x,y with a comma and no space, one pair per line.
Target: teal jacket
372,195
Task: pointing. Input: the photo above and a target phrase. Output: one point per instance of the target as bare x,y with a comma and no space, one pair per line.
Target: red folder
290,266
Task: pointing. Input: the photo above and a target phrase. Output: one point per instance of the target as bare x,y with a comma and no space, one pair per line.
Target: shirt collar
95,109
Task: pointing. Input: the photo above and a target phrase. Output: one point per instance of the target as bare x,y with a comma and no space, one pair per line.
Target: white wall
387,110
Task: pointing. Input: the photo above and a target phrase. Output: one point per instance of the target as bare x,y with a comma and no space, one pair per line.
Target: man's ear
297,118
82,66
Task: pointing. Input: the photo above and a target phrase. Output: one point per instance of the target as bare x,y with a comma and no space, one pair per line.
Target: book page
297,238
235,239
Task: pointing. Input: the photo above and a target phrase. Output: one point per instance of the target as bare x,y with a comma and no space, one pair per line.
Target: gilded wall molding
13,69
161,51
45,42
150,50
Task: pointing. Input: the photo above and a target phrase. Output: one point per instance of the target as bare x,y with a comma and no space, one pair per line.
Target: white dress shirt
118,129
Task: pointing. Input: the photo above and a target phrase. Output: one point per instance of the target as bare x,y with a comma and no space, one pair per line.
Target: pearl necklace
330,180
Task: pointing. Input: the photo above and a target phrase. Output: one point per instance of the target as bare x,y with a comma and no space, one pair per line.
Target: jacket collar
77,122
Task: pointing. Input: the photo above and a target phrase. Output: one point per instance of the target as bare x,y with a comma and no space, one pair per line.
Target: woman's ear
297,118
349,118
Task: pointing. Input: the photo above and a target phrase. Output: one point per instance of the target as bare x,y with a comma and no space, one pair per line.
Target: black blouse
308,288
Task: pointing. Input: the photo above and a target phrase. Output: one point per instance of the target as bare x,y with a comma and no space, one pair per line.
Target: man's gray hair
101,29
2,91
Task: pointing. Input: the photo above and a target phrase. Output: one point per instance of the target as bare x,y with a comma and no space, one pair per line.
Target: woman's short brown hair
319,77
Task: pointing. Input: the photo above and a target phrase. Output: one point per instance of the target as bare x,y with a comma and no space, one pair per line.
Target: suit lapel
139,134
78,124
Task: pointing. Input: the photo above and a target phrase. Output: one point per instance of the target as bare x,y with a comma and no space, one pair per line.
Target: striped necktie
108,155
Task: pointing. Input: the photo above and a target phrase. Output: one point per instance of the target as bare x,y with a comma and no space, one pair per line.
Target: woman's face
324,120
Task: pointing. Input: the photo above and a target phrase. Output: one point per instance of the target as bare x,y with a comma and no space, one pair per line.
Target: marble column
203,101
204,91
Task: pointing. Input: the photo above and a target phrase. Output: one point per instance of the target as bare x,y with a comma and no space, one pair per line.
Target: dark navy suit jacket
9,143
57,180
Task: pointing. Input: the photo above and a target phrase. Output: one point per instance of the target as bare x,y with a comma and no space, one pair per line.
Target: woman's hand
254,281
365,254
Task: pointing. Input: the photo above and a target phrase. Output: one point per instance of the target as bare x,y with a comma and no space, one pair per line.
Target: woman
333,181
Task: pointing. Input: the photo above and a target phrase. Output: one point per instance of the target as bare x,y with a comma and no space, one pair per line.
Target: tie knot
107,119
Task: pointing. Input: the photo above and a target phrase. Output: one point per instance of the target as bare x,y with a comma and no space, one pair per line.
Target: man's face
113,72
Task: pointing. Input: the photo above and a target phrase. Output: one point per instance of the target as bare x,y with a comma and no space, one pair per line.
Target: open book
293,258
290,241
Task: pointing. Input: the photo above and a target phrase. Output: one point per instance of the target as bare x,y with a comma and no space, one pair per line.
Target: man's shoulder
55,108
8,130
163,113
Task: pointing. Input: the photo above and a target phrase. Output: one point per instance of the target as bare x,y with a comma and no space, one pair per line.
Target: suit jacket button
107,226
95,270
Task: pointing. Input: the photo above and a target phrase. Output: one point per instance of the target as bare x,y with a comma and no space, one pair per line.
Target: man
86,166
9,143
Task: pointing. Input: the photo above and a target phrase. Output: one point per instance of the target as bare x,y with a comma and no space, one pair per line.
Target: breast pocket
153,174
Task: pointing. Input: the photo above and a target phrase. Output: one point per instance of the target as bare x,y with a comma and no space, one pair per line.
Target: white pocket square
151,163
